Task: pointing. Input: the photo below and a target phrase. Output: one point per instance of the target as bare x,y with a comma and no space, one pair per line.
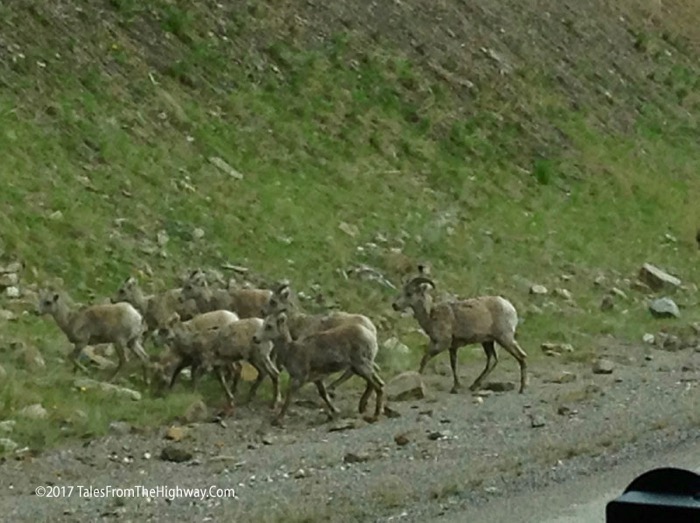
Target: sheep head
278,301
48,302
274,327
412,293
126,290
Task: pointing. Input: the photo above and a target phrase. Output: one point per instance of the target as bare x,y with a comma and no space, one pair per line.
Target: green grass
116,117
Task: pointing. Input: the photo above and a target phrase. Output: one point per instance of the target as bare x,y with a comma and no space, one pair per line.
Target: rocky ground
438,456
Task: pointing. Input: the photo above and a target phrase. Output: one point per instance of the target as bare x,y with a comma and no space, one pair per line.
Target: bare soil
457,452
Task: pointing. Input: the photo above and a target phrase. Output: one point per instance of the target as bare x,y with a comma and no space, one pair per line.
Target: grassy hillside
506,144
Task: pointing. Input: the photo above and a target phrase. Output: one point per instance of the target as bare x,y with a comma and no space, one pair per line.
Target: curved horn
421,279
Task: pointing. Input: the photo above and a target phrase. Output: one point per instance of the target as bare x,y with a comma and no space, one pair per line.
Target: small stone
656,278
162,238
405,386
9,279
436,435
13,292
198,233
174,454
565,377
120,428
565,411
599,280
35,412
176,433
648,338
85,384
267,439
7,426
352,457
197,412
603,366
393,344
689,367
6,315
607,303
401,440
391,413
483,394
500,386
537,421
350,230
478,400
7,445
618,292
538,289
223,166
564,294
343,425
664,308
301,473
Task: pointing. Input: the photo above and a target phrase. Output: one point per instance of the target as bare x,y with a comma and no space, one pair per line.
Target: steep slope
505,142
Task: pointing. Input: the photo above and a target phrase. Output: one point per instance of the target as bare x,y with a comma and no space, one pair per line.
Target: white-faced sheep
156,308
319,354
119,324
219,348
455,323
247,303
302,324
177,357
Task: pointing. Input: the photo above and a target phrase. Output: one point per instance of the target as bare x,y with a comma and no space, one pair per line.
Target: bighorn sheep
452,324
247,303
349,346
167,368
119,324
301,324
156,308
219,348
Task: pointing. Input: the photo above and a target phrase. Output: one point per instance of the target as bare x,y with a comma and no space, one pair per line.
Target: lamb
168,367
156,308
218,348
247,303
454,323
349,346
119,324
301,324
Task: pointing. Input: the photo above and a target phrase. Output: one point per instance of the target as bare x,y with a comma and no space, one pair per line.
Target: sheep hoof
456,389
276,422
371,419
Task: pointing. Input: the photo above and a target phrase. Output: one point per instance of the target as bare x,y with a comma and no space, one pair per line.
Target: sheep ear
281,319
423,269
55,297
284,292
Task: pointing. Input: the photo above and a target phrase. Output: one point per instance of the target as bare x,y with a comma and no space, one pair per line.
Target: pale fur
454,323
302,324
311,358
119,324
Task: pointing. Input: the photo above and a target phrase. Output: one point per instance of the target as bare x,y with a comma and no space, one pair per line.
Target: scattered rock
9,279
391,413
537,420
176,433
436,435
197,412
483,393
97,360
352,457
175,454
538,290
120,428
162,238
566,411
29,355
7,445
6,315
7,426
198,233
656,278
35,412
607,303
695,327
565,377
565,294
664,308
248,372
350,230
618,292
85,384
556,349
599,280
500,386
603,366
342,425
401,440
648,338
393,344
689,367
301,473
223,166
406,386
13,292
14,267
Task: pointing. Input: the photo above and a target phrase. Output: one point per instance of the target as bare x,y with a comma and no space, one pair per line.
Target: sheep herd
207,328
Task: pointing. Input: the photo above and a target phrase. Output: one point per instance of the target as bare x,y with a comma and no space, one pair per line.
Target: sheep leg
181,365
515,350
227,390
456,385
345,377
324,396
194,372
274,374
433,349
373,382
491,362
379,389
75,358
365,397
119,348
235,371
258,380
137,348
293,387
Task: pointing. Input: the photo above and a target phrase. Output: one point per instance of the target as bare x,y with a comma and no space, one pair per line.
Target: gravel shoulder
445,456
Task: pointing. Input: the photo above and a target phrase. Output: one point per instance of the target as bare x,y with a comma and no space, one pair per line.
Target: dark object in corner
661,495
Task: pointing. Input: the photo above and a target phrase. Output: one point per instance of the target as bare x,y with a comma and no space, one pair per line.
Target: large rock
89,384
7,445
407,385
35,412
656,278
664,308
603,366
